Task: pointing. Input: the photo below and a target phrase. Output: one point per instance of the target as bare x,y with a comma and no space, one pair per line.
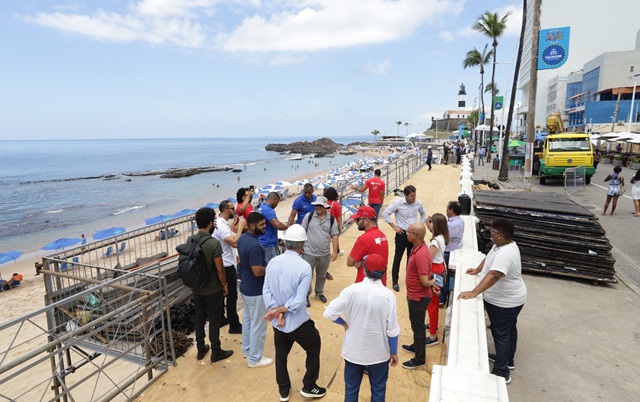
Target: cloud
378,69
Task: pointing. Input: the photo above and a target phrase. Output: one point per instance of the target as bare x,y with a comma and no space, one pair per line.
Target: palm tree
398,123
475,58
504,168
375,134
493,26
489,88
407,126
474,117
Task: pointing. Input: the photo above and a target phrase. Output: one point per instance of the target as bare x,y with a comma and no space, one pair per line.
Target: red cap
375,262
365,212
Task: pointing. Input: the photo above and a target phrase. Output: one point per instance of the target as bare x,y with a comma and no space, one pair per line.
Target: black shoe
308,302
409,348
313,392
220,355
203,352
413,364
235,328
329,276
431,342
396,287
322,298
284,395
511,365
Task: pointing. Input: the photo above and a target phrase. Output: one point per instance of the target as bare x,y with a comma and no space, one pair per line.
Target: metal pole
533,83
633,98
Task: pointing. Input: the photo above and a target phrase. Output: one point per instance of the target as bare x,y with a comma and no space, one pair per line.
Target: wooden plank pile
555,235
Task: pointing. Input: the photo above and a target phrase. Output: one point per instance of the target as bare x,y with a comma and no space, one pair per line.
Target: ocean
53,189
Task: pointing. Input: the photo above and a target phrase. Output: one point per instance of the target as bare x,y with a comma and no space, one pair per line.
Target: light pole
633,97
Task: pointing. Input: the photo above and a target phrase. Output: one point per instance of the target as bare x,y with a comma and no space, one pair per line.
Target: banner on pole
553,47
498,102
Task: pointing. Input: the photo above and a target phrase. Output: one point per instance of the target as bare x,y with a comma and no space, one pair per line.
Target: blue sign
553,48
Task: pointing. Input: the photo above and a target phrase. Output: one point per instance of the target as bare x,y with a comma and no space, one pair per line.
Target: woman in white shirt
437,224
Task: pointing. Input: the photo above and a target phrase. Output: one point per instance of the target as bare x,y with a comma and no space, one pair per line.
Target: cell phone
252,187
439,280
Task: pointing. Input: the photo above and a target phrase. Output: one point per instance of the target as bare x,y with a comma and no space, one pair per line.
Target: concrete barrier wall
466,377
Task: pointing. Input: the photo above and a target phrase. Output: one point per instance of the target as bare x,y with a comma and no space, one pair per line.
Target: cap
429,146
365,212
320,200
375,262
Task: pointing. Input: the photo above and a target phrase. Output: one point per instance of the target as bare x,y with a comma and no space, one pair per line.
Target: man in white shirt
504,293
371,330
406,210
229,241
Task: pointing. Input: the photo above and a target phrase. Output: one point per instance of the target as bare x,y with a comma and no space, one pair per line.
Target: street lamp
633,97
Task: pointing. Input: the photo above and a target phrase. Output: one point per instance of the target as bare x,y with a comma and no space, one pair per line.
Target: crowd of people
277,280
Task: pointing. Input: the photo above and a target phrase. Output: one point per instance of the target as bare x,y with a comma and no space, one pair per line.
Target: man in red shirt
373,241
419,294
376,188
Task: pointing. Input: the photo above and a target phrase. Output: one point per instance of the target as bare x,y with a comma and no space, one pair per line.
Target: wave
55,211
123,210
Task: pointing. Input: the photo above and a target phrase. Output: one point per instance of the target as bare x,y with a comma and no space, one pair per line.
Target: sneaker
308,302
264,361
244,355
322,298
328,276
396,287
409,348
431,342
284,395
220,355
203,352
341,252
413,364
313,392
511,365
235,328
508,379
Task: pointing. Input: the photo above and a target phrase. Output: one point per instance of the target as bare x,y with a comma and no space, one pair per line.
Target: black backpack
307,218
192,264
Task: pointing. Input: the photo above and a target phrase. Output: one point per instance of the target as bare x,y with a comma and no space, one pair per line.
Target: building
454,118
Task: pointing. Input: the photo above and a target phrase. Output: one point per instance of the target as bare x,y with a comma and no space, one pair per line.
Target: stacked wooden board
555,235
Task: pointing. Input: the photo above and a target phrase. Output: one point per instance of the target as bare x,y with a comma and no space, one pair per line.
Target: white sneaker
264,361
341,252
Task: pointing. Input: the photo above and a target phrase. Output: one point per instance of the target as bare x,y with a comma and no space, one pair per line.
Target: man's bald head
419,230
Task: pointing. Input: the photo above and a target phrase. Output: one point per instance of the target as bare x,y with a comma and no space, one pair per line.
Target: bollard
465,204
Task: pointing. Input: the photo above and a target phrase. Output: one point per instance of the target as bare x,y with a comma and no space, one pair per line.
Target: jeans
417,312
254,328
505,335
402,244
269,253
308,337
480,160
232,297
321,266
378,374
429,163
208,306
376,207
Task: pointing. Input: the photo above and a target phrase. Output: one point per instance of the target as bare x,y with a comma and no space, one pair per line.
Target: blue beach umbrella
158,219
61,243
104,233
9,256
184,212
212,205
351,201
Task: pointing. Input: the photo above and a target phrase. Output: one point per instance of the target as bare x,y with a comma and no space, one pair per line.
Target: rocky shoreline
320,148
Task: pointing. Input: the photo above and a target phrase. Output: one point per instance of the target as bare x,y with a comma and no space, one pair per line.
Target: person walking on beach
406,210
616,189
418,282
504,293
208,299
286,283
456,231
437,224
376,187
373,241
370,319
269,239
252,270
244,197
635,192
302,205
224,233
321,247
429,156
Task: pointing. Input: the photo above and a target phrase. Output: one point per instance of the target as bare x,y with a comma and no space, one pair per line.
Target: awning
578,95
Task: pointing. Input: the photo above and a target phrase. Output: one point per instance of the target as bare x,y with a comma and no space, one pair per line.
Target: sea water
53,189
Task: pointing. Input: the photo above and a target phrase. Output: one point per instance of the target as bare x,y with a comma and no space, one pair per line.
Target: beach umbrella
185,212
283,183
322,185
613,135
62,243
158,219
213,205
516,143
263,191
351,201
104,233
9,256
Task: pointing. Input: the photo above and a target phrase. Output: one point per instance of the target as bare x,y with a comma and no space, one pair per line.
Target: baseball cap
320,200
429,146
365,212
375,262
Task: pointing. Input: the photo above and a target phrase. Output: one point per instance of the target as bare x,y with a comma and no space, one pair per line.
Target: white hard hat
295,233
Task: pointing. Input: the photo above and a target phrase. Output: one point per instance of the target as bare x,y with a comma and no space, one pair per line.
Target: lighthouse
461,94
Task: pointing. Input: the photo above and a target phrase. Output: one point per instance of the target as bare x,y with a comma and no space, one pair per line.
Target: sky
90,69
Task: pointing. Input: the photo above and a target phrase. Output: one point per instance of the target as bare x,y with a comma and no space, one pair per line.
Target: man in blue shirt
269,239
251,269
286,283
302,205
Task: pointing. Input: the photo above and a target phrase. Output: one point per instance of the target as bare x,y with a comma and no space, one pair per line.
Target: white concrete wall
466,377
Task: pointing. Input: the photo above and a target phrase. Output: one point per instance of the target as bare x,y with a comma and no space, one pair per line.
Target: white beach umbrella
322,185
613,135
622,137
283,183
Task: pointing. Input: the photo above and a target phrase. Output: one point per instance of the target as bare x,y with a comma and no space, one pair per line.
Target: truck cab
566,150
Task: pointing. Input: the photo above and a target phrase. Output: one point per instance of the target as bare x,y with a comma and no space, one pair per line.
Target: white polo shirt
510,290
223,230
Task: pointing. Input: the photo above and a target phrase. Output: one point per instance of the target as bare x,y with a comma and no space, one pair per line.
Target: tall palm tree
489,88
504,168
476,58
474,117
375,134
398,123
407,126
493,26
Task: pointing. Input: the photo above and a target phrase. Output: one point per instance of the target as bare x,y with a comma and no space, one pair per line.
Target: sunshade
213,205
104,233
9,256
61,243
158,219
186,212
